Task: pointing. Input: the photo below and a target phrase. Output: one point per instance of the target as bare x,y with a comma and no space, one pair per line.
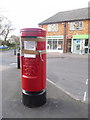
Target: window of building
77,47
60,45
52,27
78,25
54,44
49,45
86,42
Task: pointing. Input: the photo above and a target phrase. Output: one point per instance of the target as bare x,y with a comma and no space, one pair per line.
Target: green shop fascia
80,44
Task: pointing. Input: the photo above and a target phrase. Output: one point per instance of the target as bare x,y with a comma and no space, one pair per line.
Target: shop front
80,44
69,42
55,43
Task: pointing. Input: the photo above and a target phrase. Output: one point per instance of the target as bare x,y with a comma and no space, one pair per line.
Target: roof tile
66,16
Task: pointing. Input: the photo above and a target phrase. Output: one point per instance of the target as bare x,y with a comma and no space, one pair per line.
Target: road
59,104
70,74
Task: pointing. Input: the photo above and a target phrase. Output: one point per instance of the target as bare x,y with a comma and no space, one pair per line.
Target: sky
28,13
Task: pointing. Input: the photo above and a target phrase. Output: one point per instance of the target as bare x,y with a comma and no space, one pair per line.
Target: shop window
77,47
86,50
54,44
60,45
86,42
78,41
49,44
78,25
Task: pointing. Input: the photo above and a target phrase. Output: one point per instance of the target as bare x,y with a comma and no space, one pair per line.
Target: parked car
3,46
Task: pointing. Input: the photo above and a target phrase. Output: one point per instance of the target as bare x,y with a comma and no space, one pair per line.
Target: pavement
58,105
62,55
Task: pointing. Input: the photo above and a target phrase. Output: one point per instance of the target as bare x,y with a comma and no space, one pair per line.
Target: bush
12,45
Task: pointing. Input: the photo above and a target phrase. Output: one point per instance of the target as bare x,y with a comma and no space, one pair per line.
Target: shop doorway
79,46
68,45
76,46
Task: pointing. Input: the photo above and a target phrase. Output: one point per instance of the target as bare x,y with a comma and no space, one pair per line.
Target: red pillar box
33,66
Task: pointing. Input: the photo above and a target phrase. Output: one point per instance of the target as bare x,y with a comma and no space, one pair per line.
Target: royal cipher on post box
33,66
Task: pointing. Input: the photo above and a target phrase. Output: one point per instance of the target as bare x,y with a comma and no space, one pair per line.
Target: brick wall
69,32
59,32
79,32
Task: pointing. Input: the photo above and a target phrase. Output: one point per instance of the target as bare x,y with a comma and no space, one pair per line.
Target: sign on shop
55,37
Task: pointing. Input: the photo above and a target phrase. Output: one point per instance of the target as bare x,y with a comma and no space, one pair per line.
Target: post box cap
37,32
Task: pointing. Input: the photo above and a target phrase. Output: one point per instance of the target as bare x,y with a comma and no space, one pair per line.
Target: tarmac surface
58,105
70,73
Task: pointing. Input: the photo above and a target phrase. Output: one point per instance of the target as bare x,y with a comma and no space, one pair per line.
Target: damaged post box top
35,32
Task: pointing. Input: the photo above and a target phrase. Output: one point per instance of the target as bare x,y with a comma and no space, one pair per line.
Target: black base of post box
34,99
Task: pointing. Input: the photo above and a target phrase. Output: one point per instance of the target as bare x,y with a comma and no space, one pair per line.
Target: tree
5,27
14,39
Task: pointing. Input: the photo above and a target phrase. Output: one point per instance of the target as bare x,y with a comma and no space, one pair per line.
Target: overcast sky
28,13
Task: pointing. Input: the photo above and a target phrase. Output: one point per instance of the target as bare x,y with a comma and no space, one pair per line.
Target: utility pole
65,40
